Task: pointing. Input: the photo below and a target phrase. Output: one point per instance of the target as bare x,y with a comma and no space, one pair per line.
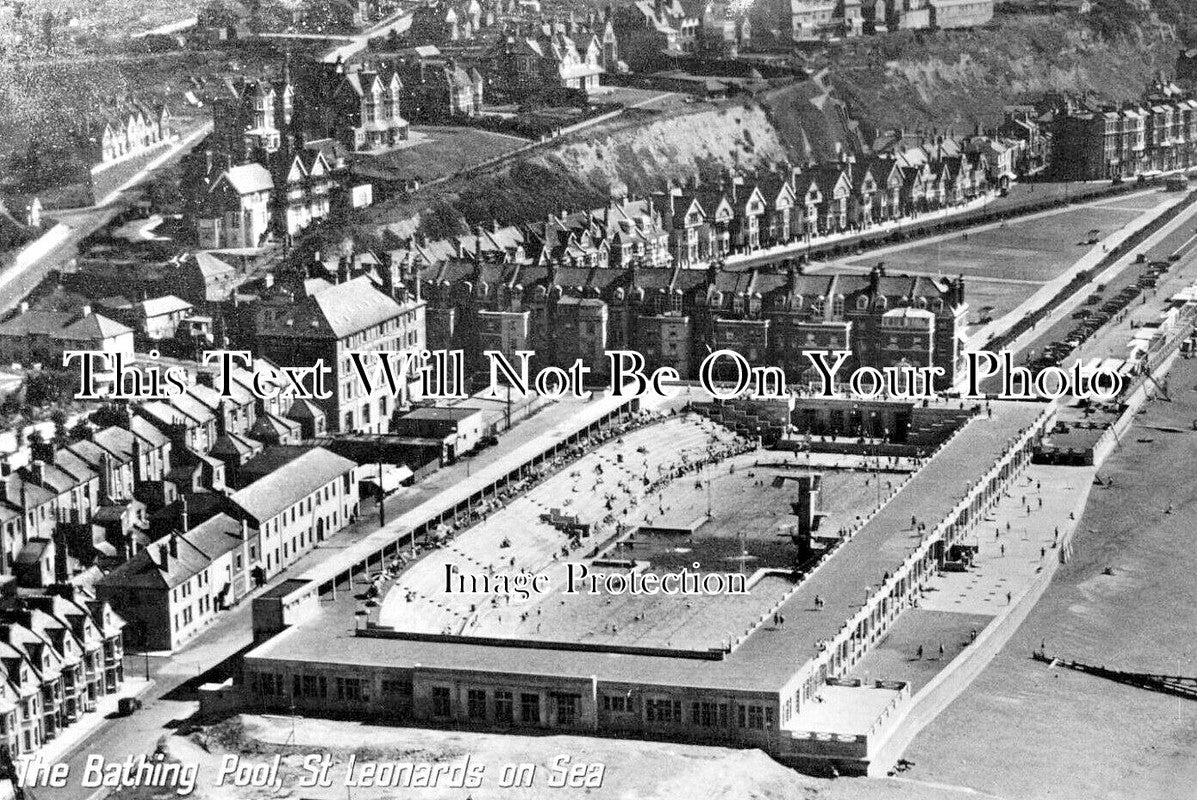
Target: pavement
106,708
1016,540
1158,246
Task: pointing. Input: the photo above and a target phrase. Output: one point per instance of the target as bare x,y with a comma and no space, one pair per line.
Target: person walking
920,653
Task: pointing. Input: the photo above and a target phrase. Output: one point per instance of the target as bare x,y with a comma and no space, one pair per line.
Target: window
708,715
530,708
567,709
396,689
441,702
476,704
753,717
349,689
503,706
617,703
663,711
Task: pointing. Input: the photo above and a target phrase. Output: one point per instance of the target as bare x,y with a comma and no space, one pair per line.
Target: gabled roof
212,267
92,327
195,551
270,424
167,304
36,322
267,497
148,431
247,179
341,310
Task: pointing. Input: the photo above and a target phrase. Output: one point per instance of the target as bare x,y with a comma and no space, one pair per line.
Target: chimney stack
184,516
163,557
173,544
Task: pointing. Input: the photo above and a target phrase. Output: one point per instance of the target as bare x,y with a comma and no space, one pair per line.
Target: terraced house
120,128
60,653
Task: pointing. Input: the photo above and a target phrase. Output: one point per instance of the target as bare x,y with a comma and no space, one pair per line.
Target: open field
1035,249
1023,730
1004,265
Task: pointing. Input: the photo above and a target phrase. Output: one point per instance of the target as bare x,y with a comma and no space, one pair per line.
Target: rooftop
290,483
450,413
766,659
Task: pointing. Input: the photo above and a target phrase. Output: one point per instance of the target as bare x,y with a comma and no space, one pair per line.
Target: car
127,705
1081,313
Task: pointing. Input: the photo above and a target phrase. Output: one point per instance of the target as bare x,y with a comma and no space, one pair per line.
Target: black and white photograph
598,399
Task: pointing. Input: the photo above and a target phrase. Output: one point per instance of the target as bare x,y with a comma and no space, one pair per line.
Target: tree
40,389
82,431
108,416
218,14
59,418
38,449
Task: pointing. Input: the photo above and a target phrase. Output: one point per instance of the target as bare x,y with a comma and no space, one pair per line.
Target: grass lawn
993,299
434,152
1036,249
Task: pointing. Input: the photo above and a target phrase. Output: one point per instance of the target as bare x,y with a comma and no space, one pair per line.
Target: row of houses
279,155
61,652
549,57
675,317
692,225
650,29
174,587
133,502
123,127
1093,141
819,19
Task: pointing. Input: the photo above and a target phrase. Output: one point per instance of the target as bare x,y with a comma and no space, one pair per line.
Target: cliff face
963,78
636,153
925,79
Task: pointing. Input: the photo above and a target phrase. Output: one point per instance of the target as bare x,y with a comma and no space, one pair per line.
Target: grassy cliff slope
961,78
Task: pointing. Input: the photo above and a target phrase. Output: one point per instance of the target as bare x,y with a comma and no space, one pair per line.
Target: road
25,273
1113,280
173,697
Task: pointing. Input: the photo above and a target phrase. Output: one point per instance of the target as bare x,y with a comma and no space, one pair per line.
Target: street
173,698
20,278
